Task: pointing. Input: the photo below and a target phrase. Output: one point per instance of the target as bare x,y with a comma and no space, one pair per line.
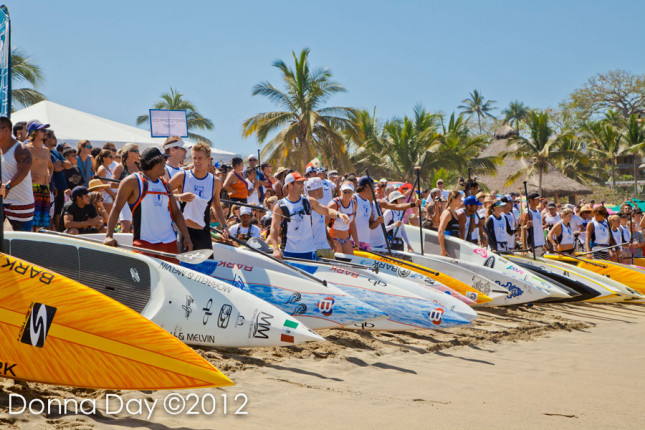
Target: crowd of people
175,198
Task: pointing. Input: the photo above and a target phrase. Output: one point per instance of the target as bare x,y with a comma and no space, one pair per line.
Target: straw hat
280,170
585,208
96,184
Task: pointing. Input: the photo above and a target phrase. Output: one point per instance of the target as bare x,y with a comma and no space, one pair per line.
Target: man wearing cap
16,179
366,219
260,177
79,215
244,230
153,207
199,192
551,217
321,238
468,215
20,131
531,224
291,225
41,173
328,187
497,228
176,150
507,208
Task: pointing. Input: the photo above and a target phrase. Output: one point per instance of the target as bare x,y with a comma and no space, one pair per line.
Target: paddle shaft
406,263
379,212
580,259
631,235
530,218
605,248
271,257
420,224
131,248
417,183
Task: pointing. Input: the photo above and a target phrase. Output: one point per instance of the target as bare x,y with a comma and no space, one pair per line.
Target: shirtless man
41,171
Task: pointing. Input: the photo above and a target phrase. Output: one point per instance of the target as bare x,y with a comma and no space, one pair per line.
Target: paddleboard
405,310
466,251
56,331
197,309
463,288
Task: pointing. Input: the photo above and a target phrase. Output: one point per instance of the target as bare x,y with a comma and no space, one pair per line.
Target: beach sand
559,366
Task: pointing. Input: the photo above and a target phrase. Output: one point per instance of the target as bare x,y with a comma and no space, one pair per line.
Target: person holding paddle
561,235
154,208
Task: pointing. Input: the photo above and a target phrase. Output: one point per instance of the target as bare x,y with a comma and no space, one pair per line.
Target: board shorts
301,255
201,239
41,206
170,247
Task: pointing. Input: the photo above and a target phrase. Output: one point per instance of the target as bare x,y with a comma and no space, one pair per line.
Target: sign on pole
165,123
5,62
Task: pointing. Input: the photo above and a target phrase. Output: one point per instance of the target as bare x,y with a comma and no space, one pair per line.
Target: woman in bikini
341,231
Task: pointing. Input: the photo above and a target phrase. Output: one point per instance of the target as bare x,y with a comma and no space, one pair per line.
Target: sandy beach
564,366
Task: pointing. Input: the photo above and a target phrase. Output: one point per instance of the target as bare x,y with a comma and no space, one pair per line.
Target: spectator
444,193
20,131
41,172
79,215
96,199
102,164
84,162
72,174
58,178
176,150
129,165
245,230
279,181
235,183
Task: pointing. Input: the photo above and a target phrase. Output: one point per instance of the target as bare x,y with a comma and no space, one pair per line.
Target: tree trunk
613,174
479,120
540,183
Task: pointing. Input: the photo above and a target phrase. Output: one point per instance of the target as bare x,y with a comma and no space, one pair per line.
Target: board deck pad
56,331
121,277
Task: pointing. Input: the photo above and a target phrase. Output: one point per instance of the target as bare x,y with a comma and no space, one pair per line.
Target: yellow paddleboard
618,272
444,279
57,331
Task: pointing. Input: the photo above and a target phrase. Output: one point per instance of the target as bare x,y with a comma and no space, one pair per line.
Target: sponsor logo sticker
326,306
36,328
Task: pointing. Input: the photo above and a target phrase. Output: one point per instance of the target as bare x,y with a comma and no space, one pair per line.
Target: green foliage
304,128
174,100
23,70
475,105
515,113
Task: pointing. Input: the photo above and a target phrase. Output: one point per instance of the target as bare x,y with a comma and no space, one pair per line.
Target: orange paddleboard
57,331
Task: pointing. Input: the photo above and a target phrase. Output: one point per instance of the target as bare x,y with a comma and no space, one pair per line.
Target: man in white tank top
322,240
198,191
17,188
154,208
298,234
531,224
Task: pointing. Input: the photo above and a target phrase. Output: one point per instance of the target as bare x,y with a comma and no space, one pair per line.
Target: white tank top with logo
510,238
319,231
152,220
377,240
567,235
362,219
299,228
339,224
601,233
538,233
499,227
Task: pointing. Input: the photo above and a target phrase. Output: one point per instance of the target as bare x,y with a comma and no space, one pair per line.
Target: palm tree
174,100
515,113
576,162
539,150
24,70
605,141
635,142
305,128
475,105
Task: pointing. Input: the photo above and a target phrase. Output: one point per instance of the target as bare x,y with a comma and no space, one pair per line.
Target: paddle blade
195,257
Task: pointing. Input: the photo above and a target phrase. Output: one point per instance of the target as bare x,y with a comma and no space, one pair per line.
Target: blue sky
115,58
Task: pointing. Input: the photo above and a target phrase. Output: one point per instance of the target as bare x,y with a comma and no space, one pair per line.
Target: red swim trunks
170,247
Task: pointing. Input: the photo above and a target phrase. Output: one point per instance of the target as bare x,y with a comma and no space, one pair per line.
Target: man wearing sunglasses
84,162
41,172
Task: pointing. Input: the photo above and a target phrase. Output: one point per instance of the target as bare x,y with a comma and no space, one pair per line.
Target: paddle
418,171
579,259
379,212
631,235
350,264
191,257
530,217
604,248
118,181
277,260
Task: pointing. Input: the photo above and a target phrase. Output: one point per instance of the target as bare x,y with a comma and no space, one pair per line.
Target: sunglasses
136,151
348,192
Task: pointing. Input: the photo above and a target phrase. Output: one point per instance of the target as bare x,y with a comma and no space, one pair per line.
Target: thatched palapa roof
553,181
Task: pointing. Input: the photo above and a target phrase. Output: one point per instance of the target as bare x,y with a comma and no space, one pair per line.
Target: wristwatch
7,186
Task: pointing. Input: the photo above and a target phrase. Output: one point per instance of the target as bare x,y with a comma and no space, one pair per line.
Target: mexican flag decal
287,331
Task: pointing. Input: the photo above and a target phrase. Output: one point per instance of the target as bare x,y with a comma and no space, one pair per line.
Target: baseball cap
394,195
310,169
551,205
347,186
321,170
294,177
506,199
364,181
79,191
332,173
34,124
499,202
173,143
472,200
149,153
245,210
534,196
313,184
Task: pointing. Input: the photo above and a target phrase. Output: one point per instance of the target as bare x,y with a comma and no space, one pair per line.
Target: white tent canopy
73,125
